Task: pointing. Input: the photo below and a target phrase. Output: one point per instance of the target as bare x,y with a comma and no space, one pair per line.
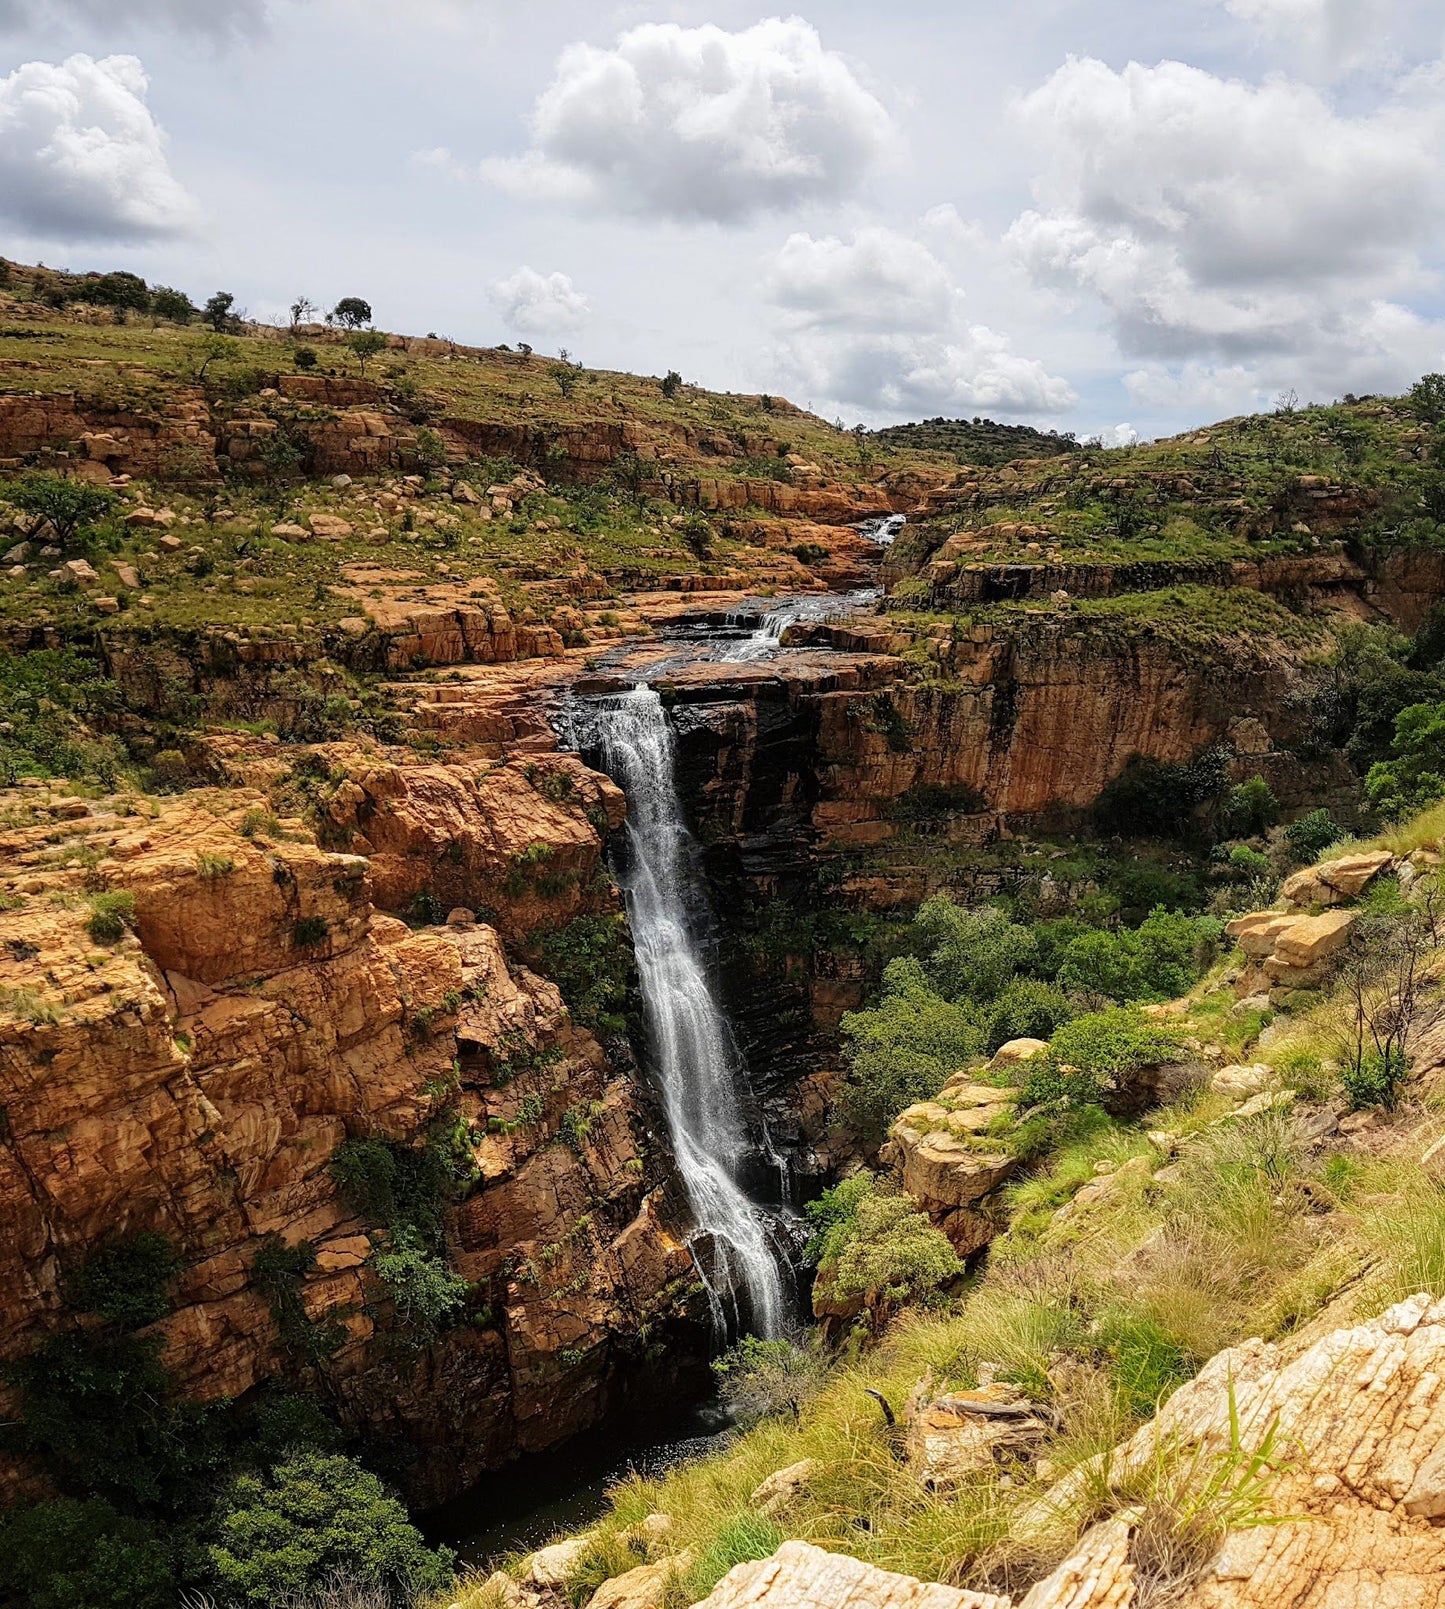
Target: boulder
80,571
1241,1081
646,1587
1350,875
551,1566
1015,1053
329,527
800,1576
288,531
774,1494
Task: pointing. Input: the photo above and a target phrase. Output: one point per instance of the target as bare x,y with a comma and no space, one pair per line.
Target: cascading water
698,1065
767,638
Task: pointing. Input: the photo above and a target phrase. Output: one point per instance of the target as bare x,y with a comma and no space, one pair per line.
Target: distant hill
976,441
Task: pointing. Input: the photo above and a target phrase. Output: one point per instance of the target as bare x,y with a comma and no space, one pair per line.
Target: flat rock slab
800,1576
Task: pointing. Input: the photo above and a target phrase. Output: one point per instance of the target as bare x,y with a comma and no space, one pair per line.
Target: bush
305,359
318,1515
98,1411
67,1554
70,506
427,1295
1094,1053
218,312
1376,1080
760,1378
1311,835
1414,775
590,961
892,1254
111,914
277,1271
832,1216
126,1283
671,383
172,304
1157,799
903,1049
46,700
1027,1009
309,931
351,312
1427,398
972,954
1252,808
1158,960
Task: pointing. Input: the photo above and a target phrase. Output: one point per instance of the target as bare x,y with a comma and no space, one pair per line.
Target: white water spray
699,1067
767,637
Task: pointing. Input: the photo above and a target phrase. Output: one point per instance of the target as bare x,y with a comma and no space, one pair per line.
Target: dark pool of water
537,1498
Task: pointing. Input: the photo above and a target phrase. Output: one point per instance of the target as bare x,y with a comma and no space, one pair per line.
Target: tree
69,506
219,311
64,1553
366,344
671,383
305,358
303,311
1427,398
215,348
313,1517
351,313
525,348
1384,979
172,304
1414,775
566,379
1252,807
890,1254
761,1378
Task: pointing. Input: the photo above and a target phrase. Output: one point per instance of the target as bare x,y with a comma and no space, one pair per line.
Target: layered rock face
197,1077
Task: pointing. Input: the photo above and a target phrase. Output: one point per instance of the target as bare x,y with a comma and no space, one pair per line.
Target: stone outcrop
941,1157
1349,1512
1334,882
1287,951
197,1077
800,1575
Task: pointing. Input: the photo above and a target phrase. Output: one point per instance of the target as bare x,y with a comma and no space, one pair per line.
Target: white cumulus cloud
1231,223
701,123
539,304
877,322
81,157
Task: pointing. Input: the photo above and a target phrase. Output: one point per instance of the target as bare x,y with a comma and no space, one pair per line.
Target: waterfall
884,529
767,637
697,1062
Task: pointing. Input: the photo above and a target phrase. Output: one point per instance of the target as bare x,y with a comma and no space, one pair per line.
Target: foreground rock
1288,951
800,1576
1350,1513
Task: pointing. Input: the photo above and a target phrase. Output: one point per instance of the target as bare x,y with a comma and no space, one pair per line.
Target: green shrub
1159,960
903,1049
211,866
1311,835
127,1283
278,1271
1376,1080
1251,808
427,1295
760,1378
1158,799
972,954
590,961
314,1517
832,1216
69,1554
1414,775
1028,1009
111,914
892,1253
1094,1053
98,1411
309,931
49,700
71,507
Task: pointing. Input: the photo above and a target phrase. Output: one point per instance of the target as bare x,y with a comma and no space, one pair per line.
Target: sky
1119,218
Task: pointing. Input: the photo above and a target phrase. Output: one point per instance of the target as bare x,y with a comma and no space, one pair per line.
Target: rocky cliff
197,1077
